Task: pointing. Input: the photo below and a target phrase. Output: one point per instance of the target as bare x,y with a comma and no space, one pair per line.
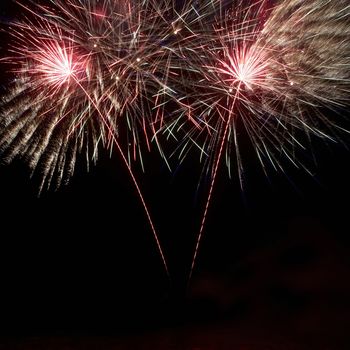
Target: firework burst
268,72
89,74
86,75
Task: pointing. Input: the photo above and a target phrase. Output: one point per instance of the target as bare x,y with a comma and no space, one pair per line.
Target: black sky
82,260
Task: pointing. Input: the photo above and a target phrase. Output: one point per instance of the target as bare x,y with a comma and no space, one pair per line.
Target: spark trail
61,96
137,187
273,72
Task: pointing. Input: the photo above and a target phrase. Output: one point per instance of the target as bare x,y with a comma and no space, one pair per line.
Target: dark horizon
273,263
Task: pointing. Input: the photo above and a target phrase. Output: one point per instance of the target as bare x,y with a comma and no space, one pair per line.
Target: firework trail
268,72
74,58
91,75
85,75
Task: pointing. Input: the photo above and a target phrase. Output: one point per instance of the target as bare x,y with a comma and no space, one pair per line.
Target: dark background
273,266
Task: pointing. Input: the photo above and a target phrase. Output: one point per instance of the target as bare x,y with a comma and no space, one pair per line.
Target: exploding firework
310,66
218,65
94,71
86,73
266,72
89,74
269,73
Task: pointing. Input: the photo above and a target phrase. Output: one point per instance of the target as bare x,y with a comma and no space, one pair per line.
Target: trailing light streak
133,178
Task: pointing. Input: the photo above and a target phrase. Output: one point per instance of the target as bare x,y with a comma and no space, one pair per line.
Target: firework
90,75
72,60
266,72
86,74
310,66
269,72
104,69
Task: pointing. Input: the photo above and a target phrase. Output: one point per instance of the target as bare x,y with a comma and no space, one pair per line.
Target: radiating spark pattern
72,58
260,72
268,71
56,64
83,70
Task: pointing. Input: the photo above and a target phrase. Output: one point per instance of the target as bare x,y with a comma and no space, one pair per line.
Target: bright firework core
244,67
55,63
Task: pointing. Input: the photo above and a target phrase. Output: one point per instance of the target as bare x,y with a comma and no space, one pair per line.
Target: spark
66,104
247,69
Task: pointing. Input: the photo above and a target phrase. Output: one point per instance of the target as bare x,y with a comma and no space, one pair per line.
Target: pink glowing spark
56,63
244,67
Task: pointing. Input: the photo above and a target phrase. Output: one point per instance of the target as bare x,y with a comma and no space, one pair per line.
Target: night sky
273,265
